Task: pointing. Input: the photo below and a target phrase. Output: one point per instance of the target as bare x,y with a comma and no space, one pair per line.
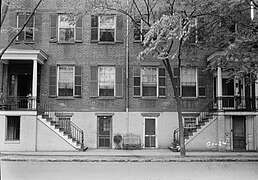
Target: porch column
219,88
34,84
256,93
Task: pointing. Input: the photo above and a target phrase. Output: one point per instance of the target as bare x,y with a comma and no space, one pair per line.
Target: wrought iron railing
238,103
204,114
18,103
50,111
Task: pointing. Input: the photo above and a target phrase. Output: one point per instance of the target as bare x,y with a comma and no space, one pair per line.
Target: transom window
27,35
107,26
65,80
106,80
65,28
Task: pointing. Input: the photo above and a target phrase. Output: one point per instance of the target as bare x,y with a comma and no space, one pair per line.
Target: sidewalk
113,155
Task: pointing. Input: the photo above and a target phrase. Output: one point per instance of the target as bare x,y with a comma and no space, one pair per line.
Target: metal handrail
24,103
47,108
205,112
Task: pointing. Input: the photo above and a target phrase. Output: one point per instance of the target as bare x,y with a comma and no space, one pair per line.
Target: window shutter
94,81
119,81
162,82
94,28
53,27
78,30
201,83
38,26
119,28
137,81
78,81
21,21
13,25
176,74
52,81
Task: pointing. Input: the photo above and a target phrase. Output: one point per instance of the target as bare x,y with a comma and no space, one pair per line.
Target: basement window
13,128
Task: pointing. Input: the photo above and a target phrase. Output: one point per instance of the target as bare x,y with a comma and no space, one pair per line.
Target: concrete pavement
144,155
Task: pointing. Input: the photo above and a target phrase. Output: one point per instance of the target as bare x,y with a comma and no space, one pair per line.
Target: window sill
12,142
106,43
150,98
65,98
189,98
106,98
25,42
63,42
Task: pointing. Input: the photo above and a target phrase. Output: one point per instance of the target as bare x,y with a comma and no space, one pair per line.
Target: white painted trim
156,132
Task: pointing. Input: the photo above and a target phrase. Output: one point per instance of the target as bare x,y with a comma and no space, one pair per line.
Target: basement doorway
104,131
239,133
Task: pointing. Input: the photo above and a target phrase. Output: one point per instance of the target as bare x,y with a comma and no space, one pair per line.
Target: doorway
239,133
150,133
104,132
24,85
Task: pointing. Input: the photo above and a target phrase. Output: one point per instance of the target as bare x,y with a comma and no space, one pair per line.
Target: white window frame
115,16
58,75
196,86
34,24
59,27
157,83
156,132
114,81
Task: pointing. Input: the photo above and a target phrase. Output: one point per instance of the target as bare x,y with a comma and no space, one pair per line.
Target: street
12,170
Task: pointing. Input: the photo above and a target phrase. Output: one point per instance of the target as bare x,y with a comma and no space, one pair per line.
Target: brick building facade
67,87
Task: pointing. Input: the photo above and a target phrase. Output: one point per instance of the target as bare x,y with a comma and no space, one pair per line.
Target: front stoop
60,132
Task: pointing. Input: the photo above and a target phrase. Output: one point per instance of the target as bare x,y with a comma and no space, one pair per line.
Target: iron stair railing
47,110
203,117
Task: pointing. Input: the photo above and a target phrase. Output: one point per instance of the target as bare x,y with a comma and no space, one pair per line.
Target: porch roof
213,58
23,52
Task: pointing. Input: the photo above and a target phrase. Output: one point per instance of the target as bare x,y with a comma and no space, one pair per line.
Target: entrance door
239,133
150,132
24,85
104,132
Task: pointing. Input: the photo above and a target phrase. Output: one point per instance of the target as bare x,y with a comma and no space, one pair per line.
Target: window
140,28
188,82
65,29
106,81
192,82
107,28
65,81
13,128
27,35
149,82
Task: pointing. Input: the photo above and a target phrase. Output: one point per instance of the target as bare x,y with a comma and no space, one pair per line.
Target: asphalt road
129,171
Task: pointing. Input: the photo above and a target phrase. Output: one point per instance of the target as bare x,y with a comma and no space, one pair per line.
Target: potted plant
117,140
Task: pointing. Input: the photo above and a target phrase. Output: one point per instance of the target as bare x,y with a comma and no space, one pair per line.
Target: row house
71,86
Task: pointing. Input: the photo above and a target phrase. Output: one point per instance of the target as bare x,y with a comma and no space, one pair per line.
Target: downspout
127,69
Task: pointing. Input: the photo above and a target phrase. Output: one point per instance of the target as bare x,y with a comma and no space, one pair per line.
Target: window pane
150,127
201,91
107,35
189,91
106,81
149,91
162,91
162,72
66,34
66,81
188,76
137,91
13,128
149,75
